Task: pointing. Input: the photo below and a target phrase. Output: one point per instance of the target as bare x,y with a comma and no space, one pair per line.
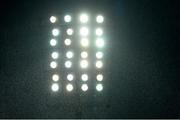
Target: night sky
142,71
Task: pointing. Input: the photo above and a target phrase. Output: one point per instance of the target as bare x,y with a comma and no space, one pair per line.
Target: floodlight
99,87
53,64
53,19
55,32
99,19
84,54
84,64
69,54
99,64
84,42
55,77
99,42
84,87
99,31
84,18
70,77
55,87
53,42
84,77
69,31
55,55
68,64
99,55
69,87
67,42
99,77
67,18
84,31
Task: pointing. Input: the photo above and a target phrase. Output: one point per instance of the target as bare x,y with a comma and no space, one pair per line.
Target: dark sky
142,70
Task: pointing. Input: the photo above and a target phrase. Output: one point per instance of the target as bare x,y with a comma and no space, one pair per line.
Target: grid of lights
86,42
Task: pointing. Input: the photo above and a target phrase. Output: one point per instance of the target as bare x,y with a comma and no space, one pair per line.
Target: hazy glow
99,87
53,64
99,31
99,55
69,87
84,18
84,54
84,31
99,19
67,42
84,77
84,87
84,63
70,77
55,77
55,32
53,42
55,55
99,77
84,42
55,87
69,54
67,18
69,31
68,64
99,64
53,19
99,42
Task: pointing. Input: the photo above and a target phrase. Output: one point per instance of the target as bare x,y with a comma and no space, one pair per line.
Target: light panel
84,77
84,54
99,31
99,19
99,42
69,31
55,87
99,55
55,32
67,18
84,42
53,64
69,87
55,55
69,54
55,77
70,77
84,18
53,42
67,42
99,77
99,87
99,64
84,31
53,19
68,64
84,87
84,64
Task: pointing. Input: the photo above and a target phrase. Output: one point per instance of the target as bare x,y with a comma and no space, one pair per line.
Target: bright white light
84,87
70,77
99,64
84,54
53,42
84,77
99,42
53,19
69,87
69,31
67,42
84,18
84,31
55,77
99,19
84,42
55,32
67,18
53,64
99,31
55,55
99,55
68,64
99,87
55,87
69,54
99,77
84,63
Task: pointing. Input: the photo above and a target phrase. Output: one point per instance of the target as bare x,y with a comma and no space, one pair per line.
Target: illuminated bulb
84,54
84,87
67,42
84,18
69,54
84,31
99,87
99,42
69,87
67,18
68,64
53,64
55,32
99,64
69,31
84,63
84,42
99,77
55,55
99,55
99,31
70,77
99,19
53,19
84,77
55,87
55,77
53,42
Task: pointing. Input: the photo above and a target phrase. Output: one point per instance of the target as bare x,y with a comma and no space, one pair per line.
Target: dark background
142,70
